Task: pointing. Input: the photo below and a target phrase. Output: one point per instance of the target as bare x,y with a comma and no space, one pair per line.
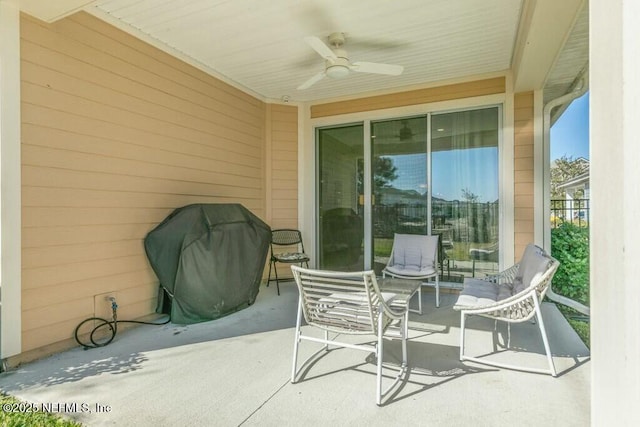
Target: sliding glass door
341,197
399,182
432,174
464,196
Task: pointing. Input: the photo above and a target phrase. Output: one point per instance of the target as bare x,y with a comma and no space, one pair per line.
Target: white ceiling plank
259,44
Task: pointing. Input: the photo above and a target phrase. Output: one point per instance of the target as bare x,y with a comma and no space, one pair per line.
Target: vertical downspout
580,90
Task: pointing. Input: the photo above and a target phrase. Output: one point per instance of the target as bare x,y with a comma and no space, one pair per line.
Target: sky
570,133
569,137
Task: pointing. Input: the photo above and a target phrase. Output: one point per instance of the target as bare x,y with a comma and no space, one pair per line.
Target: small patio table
404,289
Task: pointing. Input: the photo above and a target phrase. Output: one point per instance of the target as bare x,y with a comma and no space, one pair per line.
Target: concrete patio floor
235,371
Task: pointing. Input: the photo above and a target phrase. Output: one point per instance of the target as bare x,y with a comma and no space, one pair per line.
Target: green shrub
570,246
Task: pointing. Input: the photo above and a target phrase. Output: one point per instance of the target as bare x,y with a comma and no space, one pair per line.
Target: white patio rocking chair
414,257
349,303
511,296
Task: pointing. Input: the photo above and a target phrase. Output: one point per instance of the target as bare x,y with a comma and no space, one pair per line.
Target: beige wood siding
523,172
414,97
115,135
283,165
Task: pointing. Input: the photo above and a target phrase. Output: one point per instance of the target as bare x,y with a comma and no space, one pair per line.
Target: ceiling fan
337,64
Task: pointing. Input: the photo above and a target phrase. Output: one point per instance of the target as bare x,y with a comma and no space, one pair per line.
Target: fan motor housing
337,68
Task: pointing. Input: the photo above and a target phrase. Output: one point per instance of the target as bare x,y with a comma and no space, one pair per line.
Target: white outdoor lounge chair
512,296
350,303
414,257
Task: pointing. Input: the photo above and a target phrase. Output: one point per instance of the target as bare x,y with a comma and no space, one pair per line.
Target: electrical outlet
102,305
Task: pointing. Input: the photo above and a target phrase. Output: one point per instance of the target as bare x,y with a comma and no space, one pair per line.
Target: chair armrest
390,311
499,305
503,277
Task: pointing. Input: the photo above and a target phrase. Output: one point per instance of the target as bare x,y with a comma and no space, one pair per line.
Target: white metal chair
512,296
414,257
349,303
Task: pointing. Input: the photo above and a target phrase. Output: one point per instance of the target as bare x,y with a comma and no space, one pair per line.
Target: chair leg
275,270
405,334
379,360
296,343
543,332
437,292
462,319
269,278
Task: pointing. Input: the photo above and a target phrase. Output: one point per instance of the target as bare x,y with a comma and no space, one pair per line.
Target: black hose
113,327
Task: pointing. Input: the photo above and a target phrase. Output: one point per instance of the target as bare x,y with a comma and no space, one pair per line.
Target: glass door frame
308,211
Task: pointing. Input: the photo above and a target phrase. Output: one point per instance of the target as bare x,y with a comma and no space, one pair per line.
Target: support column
615,195
10,247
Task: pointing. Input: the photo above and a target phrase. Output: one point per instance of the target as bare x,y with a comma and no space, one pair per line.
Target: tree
564,169
384,173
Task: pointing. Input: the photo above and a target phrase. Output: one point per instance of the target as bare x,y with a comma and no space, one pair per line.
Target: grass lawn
15,413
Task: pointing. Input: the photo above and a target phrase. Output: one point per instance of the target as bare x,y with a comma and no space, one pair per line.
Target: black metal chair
293,239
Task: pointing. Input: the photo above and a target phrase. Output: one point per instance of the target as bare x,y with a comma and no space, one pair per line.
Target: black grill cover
209,259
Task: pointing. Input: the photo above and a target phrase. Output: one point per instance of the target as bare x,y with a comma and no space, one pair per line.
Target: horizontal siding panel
286,184
523,176
60,197
523,115
87,289
285,165
136,102
285,204
523,151
285,155
180,70
524,163
421,96
101,148
38,119
49,256
279,212
46,276
284,223
44,316
280,174
39,176
524,188
115,135
523,201
281,194
524,214
128,63
86,108
283,136
63,159
52,332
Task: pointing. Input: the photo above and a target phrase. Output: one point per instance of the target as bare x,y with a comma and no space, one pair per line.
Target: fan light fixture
337,64
337,71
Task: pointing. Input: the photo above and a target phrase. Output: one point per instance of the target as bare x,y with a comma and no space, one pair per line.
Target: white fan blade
313,80
319,46
375,68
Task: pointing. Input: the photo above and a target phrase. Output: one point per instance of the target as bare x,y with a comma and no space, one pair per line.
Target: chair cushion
409,258
477,292
533,264
410,270
291,257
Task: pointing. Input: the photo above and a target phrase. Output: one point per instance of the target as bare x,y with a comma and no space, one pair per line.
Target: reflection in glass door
433,174
464,202
399,183
341,197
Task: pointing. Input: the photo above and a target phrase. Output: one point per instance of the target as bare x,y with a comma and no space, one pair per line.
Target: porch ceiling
259,46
